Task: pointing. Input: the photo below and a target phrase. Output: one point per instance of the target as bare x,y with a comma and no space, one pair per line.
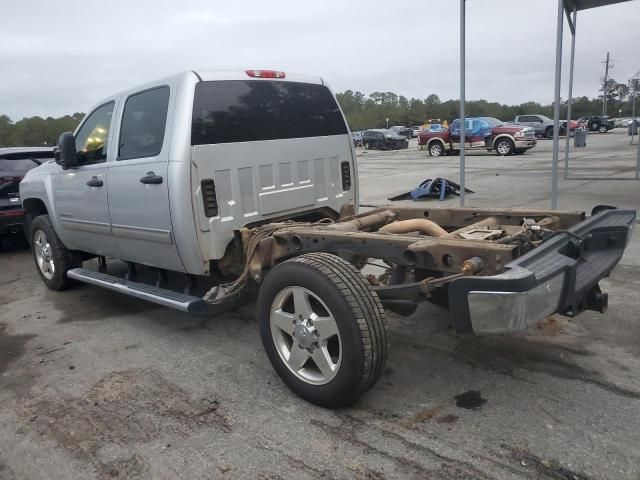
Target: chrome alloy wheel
435,149
44,254
504,147
306,335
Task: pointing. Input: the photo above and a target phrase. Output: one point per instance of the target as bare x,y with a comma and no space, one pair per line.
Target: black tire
548,133
357,312
63,259
504,146
436,149
602,129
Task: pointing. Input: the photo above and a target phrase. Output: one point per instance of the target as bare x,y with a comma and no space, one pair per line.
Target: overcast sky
59,57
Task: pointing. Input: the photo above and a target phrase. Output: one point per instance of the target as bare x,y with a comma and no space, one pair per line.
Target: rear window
252,110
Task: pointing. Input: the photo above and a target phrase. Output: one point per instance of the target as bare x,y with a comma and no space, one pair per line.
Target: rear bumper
560,276
11,220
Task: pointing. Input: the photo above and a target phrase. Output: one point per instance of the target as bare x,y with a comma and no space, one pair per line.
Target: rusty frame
349,239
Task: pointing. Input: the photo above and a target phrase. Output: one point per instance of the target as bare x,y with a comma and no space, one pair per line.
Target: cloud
61,58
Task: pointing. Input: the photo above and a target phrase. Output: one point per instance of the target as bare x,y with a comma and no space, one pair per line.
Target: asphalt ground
97,385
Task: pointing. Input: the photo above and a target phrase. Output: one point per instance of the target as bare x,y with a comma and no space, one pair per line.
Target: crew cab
245,182
15,162
481,133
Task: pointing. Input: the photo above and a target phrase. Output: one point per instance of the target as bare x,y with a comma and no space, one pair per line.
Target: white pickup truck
238,182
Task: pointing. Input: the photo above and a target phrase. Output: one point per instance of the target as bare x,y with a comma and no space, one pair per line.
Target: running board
161,296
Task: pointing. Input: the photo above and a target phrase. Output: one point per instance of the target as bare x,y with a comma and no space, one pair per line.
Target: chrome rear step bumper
161,296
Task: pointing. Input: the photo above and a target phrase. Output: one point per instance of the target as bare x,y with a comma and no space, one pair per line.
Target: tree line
371,111
363,112
36,131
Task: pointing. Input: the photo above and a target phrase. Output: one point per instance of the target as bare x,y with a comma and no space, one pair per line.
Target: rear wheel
548,133
51,257
504,146
436,149
602,129
323,328
367,146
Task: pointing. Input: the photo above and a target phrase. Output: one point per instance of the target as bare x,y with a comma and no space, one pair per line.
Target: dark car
14,163
384,140
597,123
402,131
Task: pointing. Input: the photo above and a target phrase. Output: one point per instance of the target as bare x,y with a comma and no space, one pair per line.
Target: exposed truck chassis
501,269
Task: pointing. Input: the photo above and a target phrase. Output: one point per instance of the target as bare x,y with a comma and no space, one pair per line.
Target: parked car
357,138
245,181
14,164
597,123
482,133
380,139
405,132
621,122
543,125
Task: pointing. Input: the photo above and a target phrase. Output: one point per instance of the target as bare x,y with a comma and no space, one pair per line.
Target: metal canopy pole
572,26
556,108
462,100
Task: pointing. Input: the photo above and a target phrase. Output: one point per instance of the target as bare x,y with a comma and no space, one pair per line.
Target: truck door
468,134
138,193
80,193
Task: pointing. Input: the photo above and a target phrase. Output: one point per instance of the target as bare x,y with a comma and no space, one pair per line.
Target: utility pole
604,85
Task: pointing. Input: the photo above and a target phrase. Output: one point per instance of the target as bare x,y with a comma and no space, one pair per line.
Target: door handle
151,179
95,182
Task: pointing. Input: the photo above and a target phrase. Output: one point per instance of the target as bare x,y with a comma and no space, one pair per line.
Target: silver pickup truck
198,190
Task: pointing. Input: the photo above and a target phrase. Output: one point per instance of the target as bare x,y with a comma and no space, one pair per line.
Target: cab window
143,124
93,137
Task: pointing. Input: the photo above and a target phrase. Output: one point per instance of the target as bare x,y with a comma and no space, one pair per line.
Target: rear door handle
151,179
95,182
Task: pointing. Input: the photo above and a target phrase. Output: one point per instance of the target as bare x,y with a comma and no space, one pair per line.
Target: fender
502,135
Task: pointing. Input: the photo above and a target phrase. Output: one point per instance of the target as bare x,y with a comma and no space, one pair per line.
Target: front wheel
504,147
51,257
367,146
602,129
323,328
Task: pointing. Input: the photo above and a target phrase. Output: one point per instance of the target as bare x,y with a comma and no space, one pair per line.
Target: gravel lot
98,385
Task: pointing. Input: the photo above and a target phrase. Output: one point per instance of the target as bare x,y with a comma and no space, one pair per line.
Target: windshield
389,133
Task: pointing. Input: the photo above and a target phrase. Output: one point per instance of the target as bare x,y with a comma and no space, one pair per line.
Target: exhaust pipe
422,225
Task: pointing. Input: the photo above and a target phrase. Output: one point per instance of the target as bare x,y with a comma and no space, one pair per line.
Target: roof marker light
265,73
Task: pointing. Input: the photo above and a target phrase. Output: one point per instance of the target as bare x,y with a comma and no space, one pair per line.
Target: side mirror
65,153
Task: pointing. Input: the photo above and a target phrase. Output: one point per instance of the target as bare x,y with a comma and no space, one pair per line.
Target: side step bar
161,296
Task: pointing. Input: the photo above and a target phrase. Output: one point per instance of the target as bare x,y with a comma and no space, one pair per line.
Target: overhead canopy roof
584,4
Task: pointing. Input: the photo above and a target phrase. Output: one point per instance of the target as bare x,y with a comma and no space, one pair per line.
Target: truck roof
212,75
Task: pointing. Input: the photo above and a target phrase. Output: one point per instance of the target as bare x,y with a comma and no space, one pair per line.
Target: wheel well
33,207
501,137
439,140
